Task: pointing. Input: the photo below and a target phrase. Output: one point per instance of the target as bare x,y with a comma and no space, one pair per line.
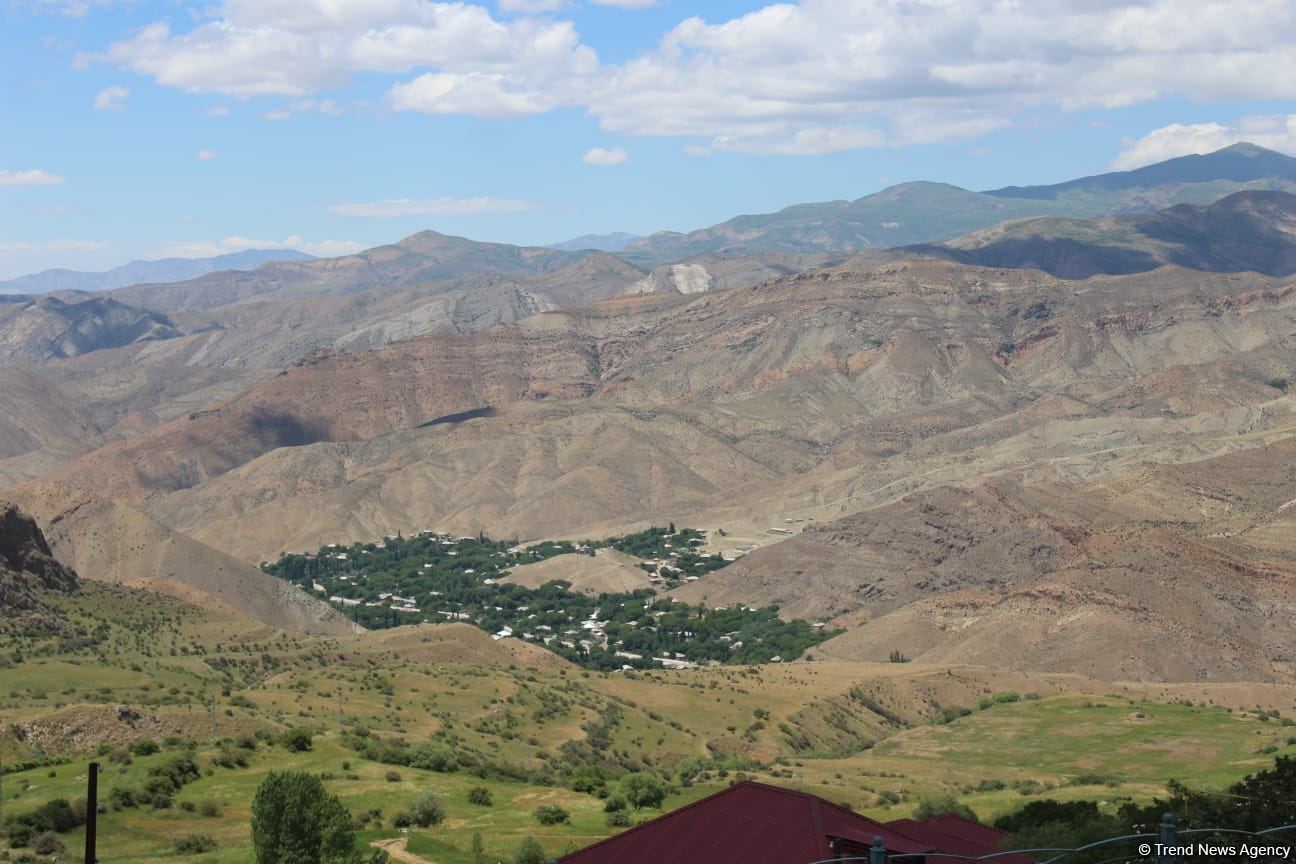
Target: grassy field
867,735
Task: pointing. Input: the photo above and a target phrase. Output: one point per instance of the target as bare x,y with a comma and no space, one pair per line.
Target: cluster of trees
451,577
1261,801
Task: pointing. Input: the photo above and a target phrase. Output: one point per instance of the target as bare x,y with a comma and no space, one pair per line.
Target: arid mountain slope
826,393
1247,231
1169,572
27,566
110,542
36,329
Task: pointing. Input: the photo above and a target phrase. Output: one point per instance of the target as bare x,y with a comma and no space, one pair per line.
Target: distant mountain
164,270
925,212
1247,231
613,242
1240,163
34,329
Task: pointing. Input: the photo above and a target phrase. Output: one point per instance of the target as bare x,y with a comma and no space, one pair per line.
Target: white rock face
680,278
690,278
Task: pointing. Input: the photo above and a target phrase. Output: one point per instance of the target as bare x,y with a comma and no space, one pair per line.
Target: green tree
942,804
642,790
297,740
296,821
426,810
529,852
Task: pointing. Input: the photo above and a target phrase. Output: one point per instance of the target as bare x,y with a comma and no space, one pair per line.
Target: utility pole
92,813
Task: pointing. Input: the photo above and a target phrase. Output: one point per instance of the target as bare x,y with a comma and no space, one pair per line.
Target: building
755,823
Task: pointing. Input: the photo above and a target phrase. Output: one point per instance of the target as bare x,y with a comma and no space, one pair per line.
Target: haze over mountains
163,270
960,445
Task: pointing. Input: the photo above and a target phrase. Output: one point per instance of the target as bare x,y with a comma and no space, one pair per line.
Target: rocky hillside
1247,231
37,329
27,567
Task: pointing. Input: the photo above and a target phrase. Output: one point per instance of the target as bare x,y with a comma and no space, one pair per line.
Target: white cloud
601,156
431,207
205,155
815,76
1167,142
529,7
34,177
327,107
20,257
626,4
111,98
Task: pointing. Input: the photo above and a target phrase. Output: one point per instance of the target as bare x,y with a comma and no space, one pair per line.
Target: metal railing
1165,846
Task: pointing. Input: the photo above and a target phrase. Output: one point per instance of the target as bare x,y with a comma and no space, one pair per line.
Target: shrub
480,796
195,844
47,844
433,757
393,776
144,747
642,790
209,809
426,810
529,852
940,805
619,819
551,814
297,740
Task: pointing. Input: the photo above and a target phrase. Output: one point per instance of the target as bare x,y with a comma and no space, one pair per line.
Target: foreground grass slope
878,737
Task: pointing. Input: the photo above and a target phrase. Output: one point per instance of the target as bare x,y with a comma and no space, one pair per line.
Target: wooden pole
92,813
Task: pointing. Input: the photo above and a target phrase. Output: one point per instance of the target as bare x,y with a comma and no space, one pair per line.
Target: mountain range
1063,443
163,270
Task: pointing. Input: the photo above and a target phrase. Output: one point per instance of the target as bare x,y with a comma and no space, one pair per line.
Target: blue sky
136,129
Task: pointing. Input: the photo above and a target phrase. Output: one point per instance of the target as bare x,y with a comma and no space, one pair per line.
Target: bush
144,747
940,805
551,814
209,809
47,844
195,844
392,776
297,740
480,796
642,790
614,804
529,852
619,819
426,811
433,757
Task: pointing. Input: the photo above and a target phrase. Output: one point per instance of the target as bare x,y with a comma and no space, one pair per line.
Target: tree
529,852
297,740
433,757
296,821
642,790
426,810
940,805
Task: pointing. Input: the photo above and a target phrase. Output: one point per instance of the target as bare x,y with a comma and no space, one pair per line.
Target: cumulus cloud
1275,132
529,7
431,207
34,177
111,98
816,76
604,157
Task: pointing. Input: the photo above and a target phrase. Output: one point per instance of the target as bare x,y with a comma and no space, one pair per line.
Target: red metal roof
754,823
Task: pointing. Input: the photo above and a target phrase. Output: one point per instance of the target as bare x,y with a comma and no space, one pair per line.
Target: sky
133,129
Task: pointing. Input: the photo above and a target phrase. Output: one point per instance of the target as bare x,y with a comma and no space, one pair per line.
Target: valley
991,506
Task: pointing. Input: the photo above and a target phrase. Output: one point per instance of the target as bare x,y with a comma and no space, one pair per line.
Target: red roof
754,823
